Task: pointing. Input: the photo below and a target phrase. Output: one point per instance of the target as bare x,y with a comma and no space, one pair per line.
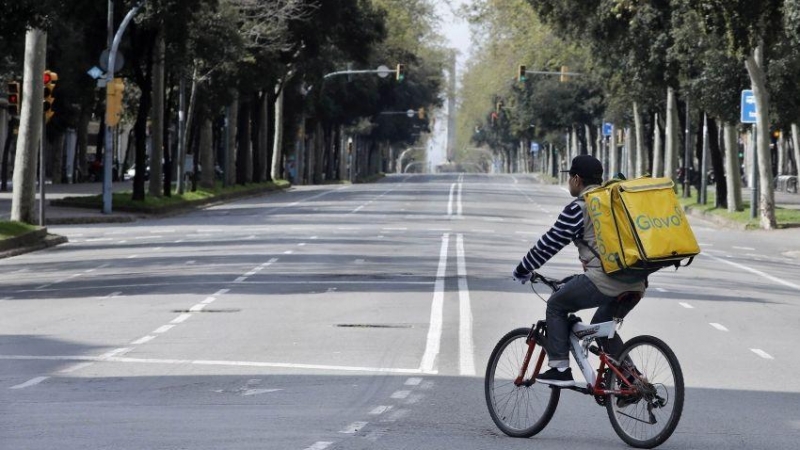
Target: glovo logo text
645,222
594,215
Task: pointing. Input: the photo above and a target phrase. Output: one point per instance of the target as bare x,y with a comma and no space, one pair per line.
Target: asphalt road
362,317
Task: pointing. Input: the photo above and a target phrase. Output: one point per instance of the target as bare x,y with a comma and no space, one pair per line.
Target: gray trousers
579,293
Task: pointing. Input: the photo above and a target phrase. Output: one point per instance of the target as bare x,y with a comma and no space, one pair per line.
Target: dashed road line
143,340
413,381
718,326
466,348
180,319
400,394
434,337
380,410
686,305
29,383
761,353
321,445
744,248
163,329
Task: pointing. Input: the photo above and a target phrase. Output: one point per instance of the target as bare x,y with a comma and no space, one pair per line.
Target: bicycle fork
536,336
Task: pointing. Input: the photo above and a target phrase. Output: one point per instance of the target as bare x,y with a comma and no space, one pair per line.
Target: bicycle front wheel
524,410
647,419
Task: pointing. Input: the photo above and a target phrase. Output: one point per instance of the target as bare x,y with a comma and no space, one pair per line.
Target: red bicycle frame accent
520,380
598,389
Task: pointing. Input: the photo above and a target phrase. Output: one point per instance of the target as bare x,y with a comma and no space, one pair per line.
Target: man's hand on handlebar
522,275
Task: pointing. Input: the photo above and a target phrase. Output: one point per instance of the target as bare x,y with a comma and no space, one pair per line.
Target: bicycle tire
628,414
500,392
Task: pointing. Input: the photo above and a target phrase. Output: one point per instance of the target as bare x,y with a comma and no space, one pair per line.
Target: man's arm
567,228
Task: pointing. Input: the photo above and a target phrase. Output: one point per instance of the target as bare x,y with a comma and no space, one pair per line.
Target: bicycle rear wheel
519,411
647,419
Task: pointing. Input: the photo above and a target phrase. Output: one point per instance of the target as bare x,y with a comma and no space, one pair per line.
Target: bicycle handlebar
552,283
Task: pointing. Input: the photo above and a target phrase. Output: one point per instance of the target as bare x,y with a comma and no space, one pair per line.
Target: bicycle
641,388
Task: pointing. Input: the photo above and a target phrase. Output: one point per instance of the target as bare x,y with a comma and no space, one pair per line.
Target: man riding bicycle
593,288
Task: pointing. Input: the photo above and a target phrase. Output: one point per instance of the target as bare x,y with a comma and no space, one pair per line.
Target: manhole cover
372,325
223,310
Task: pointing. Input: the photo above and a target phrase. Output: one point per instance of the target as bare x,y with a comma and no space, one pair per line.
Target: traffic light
522,76
564,77
421,113
50,79
401,72
14,98
114,91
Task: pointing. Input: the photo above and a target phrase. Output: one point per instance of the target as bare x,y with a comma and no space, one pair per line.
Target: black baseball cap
587,167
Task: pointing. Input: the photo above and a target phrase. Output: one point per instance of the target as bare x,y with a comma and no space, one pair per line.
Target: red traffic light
48,77
13,99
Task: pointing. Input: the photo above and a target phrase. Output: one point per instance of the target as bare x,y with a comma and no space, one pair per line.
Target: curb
166,211
30,242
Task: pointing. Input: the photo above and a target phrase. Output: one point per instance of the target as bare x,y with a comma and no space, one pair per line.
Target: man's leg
579,293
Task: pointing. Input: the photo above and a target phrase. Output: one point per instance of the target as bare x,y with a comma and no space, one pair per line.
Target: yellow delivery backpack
640,226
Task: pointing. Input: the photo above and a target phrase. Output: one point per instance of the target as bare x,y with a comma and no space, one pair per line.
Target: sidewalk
59,215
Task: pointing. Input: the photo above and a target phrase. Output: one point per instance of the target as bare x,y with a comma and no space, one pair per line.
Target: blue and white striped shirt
568,227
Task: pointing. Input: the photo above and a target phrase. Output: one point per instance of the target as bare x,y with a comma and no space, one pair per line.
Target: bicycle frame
581,337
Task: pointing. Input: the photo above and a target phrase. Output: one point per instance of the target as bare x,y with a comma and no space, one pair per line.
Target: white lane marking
751,270
239,280
288,252
44,286
321,445
132,256
380,410
482,231
400,394
450,200
302,244
163,329
359,261
744,248
353,427
201,362
251,273
761,353
266,264
395,229
99,240
718,326
29,383
466,348
439,230
221,292
178,241
122,242
661,289
191,262
143,340
435,329
208,300
314,238
414,381
460,209
181,318
157,249
197,307
358,209
111,295
114,353
686,305
76,367
251,392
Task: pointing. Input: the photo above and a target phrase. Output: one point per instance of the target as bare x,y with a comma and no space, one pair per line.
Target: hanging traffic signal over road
50,79
14,97
401,72
522,76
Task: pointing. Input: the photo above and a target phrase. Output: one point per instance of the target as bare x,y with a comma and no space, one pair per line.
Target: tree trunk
631,154
9,140
613,155
206,155
262,174
30,128
277,146
155,188
243,143
642,163
718,164
758,79
732,168
796,148
671,139
658,150
230,147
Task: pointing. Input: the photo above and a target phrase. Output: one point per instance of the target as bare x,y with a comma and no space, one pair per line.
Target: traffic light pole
108,150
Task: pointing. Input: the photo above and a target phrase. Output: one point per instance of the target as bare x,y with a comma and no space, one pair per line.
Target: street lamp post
107,153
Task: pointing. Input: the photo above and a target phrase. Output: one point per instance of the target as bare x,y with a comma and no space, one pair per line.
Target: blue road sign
607,128
534,147
749,110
